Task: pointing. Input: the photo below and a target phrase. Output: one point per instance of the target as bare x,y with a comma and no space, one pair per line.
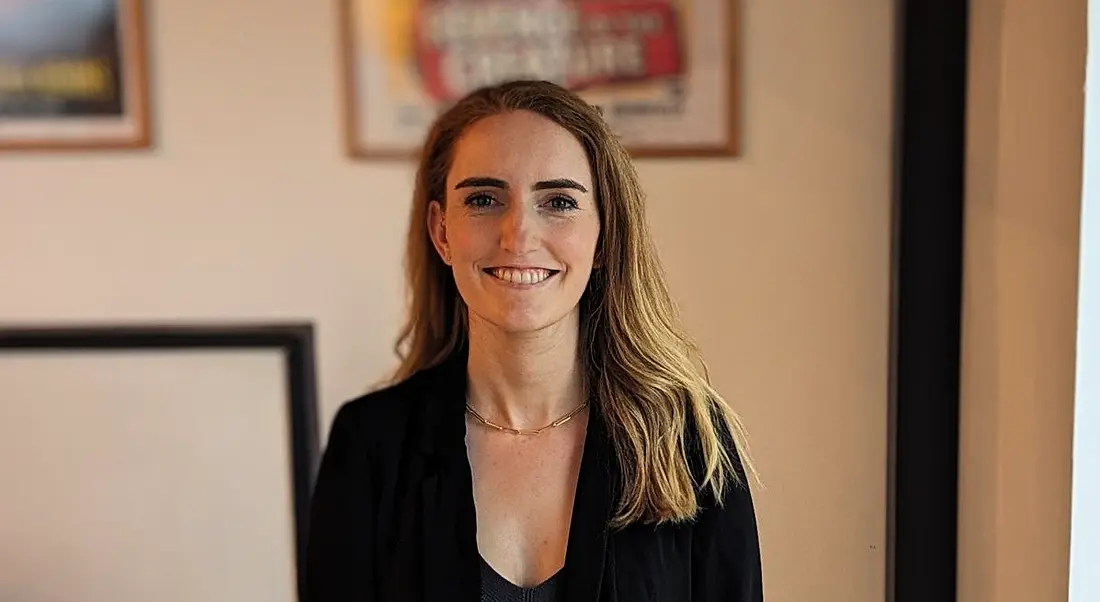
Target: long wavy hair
643,370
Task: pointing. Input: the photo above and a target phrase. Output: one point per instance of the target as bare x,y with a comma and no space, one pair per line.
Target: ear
437,229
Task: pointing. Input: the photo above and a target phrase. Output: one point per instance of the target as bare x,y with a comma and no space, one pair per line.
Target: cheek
465,241
578,243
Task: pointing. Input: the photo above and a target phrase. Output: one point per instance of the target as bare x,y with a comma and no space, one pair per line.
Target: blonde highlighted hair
659,406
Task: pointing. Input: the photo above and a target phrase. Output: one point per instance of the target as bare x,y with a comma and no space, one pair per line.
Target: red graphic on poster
464,44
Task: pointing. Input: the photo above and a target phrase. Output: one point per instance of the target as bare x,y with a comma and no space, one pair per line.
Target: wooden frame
377,35
295,341
49,104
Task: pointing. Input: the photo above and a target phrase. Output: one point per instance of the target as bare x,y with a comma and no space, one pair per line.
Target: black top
495,588
392,517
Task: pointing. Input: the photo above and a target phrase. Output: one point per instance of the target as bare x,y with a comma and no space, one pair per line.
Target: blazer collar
451,566
586,552
448,506
443,423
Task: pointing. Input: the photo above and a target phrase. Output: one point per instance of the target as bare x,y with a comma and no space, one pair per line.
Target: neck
524,380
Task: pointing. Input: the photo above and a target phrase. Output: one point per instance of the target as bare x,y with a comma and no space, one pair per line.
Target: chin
521,312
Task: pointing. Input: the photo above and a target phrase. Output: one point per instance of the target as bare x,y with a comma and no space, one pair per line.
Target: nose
518,230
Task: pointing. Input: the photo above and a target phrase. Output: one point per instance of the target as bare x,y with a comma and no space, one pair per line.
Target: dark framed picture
73,75
664,72
153,461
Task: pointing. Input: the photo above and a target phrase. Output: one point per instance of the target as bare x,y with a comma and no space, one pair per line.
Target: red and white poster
663,71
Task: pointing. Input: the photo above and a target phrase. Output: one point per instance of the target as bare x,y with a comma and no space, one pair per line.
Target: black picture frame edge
931,74
294,339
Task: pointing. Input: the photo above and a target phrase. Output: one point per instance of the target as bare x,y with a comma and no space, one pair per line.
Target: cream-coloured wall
247,210
1026,120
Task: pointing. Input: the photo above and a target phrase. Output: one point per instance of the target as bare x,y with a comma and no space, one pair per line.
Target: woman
547,436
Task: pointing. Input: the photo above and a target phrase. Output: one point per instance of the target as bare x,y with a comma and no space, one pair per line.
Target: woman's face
520,224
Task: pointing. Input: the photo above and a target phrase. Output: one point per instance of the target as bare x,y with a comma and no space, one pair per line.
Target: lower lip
520,285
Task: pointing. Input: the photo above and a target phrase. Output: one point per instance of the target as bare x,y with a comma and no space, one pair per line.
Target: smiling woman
549,434
518,226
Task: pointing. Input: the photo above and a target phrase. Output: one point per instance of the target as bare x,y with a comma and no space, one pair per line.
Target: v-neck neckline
507,583
581,578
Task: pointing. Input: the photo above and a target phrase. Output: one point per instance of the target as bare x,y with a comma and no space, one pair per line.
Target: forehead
519,147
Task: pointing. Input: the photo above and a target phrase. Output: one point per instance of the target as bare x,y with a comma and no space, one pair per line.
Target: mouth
521,276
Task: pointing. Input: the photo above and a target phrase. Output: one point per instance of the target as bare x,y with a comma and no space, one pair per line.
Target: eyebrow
486,182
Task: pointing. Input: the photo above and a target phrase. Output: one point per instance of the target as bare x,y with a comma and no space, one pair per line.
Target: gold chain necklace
514,431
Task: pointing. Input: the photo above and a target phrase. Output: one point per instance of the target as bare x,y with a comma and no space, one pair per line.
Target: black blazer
392,517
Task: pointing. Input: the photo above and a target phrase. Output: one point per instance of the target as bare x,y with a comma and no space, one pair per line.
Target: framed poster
73,75
664,72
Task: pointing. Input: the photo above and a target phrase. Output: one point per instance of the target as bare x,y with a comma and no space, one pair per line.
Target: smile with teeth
521,276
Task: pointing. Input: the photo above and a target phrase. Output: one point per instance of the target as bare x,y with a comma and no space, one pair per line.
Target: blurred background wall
248,210
1024,163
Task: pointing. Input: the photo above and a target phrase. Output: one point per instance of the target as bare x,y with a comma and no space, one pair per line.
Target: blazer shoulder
380,418
387,401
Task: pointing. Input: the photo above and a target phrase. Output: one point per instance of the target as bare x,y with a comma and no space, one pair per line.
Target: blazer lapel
588,531
449,539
